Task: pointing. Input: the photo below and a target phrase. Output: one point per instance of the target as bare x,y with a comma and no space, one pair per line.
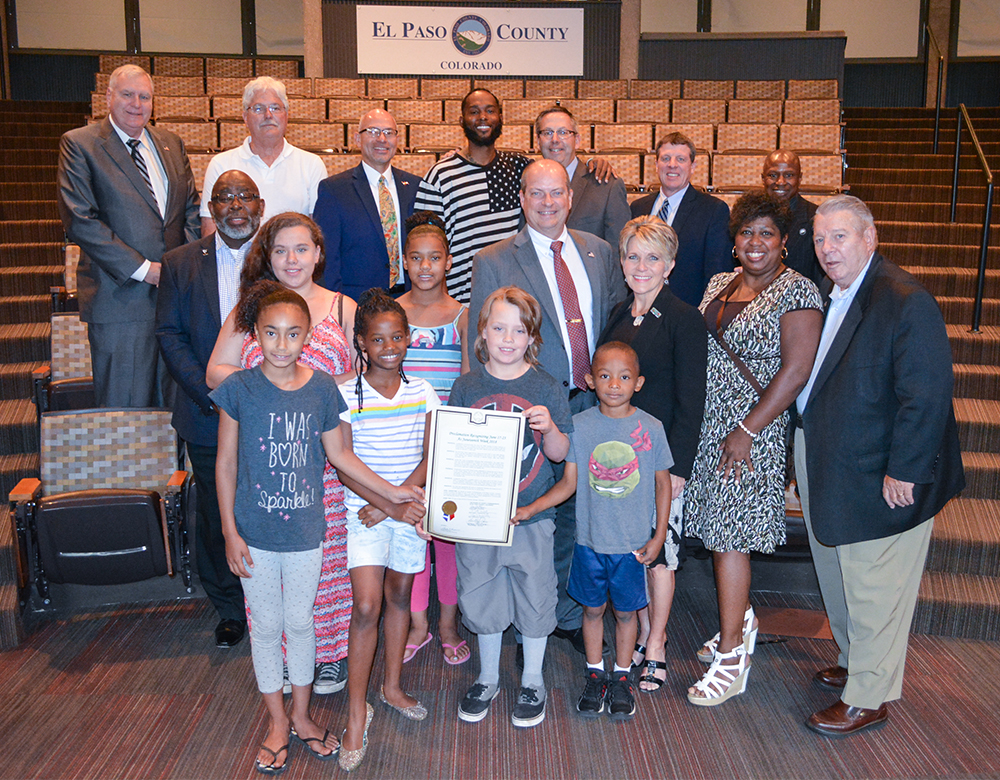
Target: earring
784,253
735,256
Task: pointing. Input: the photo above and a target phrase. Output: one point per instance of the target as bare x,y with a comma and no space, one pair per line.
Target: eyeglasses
225,198
260,108
380,132
562,132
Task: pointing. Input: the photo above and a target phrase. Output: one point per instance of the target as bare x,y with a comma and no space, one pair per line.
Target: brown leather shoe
840,719
834,678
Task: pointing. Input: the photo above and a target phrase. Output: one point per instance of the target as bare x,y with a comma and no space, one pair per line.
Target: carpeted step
16,210
28,190
15,467
917,178
27,142
948,233
913,142
958,311
976,381
31,280
26,231
18,426
943,258
25,308
29,157
982,348
42,106
25,342
974,195
15,379
958,605
19,173
917,112
36,253
982,475
925,161
978,424
33,130
903,211
966,538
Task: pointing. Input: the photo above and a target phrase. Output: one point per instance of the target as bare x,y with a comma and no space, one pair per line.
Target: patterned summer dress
751,515
435,354
326,351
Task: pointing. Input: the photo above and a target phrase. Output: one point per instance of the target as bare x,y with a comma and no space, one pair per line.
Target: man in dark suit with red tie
362,213
126,196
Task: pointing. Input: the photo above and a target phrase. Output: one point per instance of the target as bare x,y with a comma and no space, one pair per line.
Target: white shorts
391,544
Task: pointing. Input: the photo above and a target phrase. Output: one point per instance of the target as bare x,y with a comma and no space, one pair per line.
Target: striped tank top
435,354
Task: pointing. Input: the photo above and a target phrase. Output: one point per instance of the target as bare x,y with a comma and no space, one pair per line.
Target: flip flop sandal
454,649
416,648
322,742
649,676
271,769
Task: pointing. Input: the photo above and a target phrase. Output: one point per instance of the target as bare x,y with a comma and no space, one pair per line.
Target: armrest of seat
176,481
27,489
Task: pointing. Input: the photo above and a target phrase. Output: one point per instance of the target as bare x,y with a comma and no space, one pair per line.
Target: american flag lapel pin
590,254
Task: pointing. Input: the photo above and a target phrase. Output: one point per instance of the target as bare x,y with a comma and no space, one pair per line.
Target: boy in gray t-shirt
618,466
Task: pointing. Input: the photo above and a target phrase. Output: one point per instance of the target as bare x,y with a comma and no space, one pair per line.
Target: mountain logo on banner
471,35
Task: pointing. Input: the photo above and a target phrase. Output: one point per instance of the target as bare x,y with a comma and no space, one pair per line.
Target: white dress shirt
675,201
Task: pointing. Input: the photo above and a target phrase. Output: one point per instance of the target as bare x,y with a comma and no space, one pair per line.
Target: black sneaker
591,703
530,708
475,705
621,697
330,677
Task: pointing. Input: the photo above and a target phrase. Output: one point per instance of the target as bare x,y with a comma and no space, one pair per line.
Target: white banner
480,42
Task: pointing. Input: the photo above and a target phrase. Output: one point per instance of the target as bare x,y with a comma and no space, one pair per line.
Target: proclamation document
473,471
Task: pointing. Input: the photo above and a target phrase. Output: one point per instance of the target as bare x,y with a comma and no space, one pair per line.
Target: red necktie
575,327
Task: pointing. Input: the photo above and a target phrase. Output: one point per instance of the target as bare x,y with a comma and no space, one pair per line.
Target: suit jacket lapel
685,208
364,191
170,167
598,293
852,319
119,153
580,182
531,267
208,272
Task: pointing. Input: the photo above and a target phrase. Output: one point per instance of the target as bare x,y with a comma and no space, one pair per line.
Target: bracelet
746,430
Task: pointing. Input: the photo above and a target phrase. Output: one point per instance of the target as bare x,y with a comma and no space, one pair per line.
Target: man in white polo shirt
288,177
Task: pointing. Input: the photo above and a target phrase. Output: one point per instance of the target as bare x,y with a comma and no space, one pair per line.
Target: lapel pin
590,254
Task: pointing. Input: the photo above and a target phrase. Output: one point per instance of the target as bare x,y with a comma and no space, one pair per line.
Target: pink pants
444,558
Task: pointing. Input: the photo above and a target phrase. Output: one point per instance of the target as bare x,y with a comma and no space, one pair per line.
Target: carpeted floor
145,694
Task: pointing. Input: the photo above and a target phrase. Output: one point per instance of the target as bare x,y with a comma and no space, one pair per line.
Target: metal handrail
963,115
940,76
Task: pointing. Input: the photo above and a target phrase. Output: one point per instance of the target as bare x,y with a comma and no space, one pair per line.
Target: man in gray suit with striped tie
126,196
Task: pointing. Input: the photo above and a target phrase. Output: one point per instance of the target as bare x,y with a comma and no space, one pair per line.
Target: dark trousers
222,587
127,367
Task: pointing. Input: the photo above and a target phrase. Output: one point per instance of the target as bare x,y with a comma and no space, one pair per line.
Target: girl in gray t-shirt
278,425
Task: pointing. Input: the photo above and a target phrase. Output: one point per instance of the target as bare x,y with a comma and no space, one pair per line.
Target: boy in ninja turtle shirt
621,492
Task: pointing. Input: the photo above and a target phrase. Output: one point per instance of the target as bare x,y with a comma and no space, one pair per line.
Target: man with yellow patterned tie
362,213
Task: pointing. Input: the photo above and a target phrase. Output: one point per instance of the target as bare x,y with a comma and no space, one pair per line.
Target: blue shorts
594,576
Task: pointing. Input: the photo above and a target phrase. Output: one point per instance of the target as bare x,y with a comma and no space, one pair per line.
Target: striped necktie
390,228
665,211
575,327
140,163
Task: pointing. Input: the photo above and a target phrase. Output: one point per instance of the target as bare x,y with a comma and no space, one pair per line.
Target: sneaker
621,697
286,684
475,705
330,677
529,710
591,703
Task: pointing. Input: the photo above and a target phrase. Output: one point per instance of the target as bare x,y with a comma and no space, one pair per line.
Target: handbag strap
737,361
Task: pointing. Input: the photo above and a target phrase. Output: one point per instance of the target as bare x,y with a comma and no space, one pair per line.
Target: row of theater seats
189,66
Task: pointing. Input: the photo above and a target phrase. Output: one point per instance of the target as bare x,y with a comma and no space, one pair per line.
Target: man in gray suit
528,260
126,196
599,207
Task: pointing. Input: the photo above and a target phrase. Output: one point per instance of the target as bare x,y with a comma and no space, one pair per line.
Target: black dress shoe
834,678
841,719
229,632
575,637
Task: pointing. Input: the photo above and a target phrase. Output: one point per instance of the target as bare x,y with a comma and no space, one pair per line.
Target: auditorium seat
66,381
525,110
701,135
648,110
338,163
453,110
697,89
297,87
737,170
805,137
822,172
224,85
756,137
602,88
502,88
623,137
227,107
99,104
406,111
108,63
307,108
518,138
101,83
232,133
592,110
550,88
392,88
351,110
628,167
812,112
444,88
639,89
193,106
178,66
756,89
279,69
195,134
766,112
315,136
699,111
417,164
229,67
813,89
339,87
435,138
199,164
180,86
